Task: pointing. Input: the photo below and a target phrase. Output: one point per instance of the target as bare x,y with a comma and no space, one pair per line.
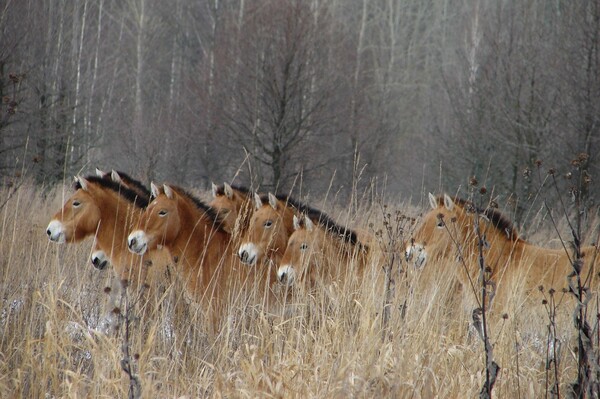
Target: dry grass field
329,343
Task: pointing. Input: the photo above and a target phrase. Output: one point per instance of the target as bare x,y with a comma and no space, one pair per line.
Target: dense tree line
413,95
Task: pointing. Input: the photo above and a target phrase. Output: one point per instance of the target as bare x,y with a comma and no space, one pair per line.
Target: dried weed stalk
391,241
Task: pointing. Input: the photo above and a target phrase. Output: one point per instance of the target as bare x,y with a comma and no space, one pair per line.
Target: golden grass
330,345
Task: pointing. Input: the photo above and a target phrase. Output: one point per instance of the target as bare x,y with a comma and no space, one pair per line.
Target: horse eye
76,203
303,246
268,224
162,213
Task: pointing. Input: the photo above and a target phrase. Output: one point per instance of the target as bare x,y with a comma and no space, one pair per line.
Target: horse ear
214,189
228,190
154,190
82,182
308,224
257,201
433,202
100,173
114,175
168,191
448,203
297,223
272,201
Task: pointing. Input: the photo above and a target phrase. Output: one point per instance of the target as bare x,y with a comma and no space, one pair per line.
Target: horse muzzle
137,242
248,253
56,232
286,275
99,260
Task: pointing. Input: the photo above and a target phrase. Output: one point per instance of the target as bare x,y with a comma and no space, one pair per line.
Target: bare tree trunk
354,106
91,135
77,100
175,74
138,117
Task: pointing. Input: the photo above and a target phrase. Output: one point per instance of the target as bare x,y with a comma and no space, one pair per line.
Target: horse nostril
244,255
282,277
101,265
48,232
132,242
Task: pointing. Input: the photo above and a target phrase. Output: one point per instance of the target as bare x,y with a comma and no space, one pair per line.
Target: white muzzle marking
56,232
248,253
137,242
416,255
286,275
99,259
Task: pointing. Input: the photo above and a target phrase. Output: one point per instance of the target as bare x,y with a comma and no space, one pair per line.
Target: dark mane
241,189
502,223
299,206
125,192
209,212
323,220
130,181
317,216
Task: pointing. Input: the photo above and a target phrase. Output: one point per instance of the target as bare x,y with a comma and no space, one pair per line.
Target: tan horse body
99,258
202,256
320,253
448,232
106,210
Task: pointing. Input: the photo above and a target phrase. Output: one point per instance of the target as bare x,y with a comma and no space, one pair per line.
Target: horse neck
198,236
117,217
202,256
287,219
340,252
330,244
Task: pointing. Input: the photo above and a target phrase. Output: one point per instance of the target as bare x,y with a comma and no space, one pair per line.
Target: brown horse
234,204
320,252
192,232
99,258
106,210
270,227
448,231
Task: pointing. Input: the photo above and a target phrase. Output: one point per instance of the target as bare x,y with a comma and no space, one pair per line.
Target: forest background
407,95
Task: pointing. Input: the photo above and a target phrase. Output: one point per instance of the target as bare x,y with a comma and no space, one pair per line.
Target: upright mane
500,222
319,217
242,189
134,182
299,206
209,212
125,192
323,220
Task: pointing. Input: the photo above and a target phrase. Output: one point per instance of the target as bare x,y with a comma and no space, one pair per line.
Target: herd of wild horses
244,242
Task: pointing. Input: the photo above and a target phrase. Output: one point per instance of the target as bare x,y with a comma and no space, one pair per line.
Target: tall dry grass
331,344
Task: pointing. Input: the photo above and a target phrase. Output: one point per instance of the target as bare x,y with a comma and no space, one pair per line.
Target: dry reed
327,345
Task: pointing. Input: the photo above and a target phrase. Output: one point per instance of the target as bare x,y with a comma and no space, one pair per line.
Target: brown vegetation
329,346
